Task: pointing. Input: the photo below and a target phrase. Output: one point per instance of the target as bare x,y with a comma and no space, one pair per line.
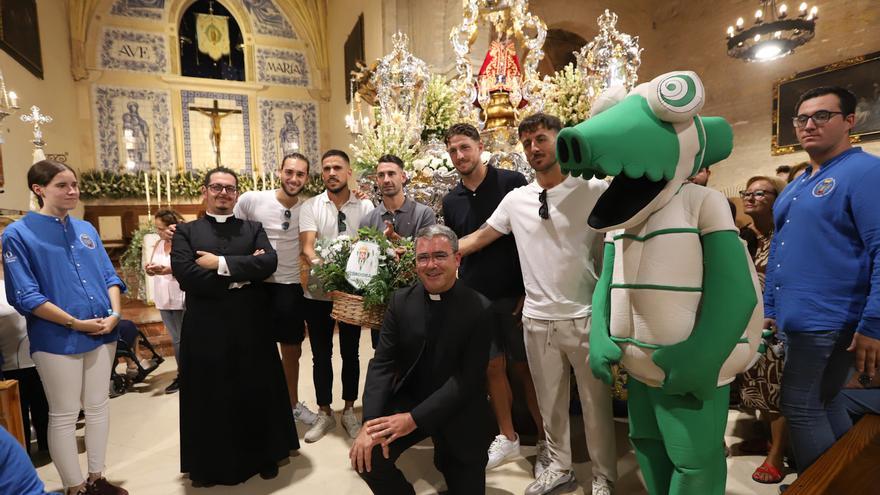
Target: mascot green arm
692,366
603,351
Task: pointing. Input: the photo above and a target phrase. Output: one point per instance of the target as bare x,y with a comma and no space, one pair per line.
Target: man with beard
335,212
560,257
278,211
397,215
494,272
235,415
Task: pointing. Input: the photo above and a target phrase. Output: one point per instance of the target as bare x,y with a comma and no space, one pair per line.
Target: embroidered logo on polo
824,187
87,241
10,257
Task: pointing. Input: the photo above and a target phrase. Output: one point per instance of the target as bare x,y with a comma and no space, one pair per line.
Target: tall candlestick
168,184
254,177
147,188
158,190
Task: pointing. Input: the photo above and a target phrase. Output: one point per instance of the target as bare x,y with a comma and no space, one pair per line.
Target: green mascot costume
678,302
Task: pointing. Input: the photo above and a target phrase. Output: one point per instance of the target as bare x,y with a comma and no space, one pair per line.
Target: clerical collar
219,218
434,297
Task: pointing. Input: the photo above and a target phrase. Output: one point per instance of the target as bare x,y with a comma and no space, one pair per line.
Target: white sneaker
552,481
602,486
351,423
303,415
323,424
502,450
542,457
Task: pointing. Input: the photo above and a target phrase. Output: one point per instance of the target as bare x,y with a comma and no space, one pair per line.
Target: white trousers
73,382
553,347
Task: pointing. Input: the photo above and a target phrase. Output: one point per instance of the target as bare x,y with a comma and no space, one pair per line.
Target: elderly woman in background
169,299
759,387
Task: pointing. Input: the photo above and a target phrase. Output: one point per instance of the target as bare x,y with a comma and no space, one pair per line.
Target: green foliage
102,184
314,186
130,261
394,272
441,108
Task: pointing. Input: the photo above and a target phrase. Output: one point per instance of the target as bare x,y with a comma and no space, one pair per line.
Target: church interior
142,96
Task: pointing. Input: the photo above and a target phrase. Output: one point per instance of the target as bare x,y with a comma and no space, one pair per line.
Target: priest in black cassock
235,415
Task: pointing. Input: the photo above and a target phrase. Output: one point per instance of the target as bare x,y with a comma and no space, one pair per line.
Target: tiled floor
142,453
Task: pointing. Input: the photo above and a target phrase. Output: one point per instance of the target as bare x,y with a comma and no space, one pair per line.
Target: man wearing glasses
278,211
232,393
334,212
560,258
427,378
823,277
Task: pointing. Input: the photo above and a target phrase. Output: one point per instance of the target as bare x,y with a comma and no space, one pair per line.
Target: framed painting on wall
20,34
858,74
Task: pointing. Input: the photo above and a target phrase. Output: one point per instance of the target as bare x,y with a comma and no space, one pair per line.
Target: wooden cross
37,119
215,113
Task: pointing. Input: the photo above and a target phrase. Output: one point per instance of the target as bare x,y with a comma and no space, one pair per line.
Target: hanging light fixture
774,33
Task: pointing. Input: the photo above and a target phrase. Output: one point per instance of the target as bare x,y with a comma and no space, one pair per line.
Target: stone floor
142,454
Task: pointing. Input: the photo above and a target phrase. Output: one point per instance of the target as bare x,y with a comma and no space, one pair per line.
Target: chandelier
774,34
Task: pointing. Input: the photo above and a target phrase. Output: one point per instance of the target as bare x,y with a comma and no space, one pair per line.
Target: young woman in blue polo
60,278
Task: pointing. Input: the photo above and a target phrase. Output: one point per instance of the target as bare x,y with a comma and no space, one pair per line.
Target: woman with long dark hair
59,276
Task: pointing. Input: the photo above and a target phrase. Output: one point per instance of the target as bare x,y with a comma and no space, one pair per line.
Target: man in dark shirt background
494,272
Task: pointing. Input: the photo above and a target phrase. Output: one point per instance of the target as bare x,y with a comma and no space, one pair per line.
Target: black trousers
464,475
33,404
321,339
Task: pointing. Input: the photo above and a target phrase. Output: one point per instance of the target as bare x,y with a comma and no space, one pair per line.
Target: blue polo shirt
824,267
62,262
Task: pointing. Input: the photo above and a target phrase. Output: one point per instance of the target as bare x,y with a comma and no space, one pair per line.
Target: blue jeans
817,366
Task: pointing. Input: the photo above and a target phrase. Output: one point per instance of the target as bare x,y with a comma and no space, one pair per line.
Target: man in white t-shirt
559,255
332,213
278,211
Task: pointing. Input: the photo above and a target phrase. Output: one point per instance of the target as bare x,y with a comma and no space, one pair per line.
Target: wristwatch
114,313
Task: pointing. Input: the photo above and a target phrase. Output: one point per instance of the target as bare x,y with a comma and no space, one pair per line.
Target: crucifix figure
215,113
37,119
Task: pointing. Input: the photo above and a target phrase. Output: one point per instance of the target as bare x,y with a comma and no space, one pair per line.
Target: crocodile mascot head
650,140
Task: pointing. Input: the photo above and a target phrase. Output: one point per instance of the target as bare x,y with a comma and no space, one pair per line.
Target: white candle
158,189
147,187
168,186
254,177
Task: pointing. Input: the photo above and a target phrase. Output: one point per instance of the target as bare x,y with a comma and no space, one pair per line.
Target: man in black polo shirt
494,272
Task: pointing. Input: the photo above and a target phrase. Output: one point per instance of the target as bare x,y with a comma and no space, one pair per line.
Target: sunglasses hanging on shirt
544,210
286,224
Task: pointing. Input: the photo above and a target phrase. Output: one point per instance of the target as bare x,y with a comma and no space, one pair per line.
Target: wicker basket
349,308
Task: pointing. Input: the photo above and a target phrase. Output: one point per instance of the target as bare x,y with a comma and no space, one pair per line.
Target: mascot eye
677,96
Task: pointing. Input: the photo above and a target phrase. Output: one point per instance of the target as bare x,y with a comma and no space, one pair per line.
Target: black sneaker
173,388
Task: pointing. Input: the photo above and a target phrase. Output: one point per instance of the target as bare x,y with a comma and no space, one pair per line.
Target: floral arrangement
314,186
441,108
567,96
130,262
427,165
395,271
385,138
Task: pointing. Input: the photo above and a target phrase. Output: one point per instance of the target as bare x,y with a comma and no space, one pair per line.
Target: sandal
775,476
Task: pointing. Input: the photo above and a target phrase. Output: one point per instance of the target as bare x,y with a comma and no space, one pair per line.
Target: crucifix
37,119
216,114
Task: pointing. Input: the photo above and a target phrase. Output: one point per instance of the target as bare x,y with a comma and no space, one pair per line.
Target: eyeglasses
286,224
218,188
819,118
544,210
340,223
425,259
756,194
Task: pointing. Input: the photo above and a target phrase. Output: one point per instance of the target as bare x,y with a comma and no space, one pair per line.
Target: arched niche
176,9
559,50
225,62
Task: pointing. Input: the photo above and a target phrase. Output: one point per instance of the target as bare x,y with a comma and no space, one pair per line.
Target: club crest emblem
9,257
824,187
87,241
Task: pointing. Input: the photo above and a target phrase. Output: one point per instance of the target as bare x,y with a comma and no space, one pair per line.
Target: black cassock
235,414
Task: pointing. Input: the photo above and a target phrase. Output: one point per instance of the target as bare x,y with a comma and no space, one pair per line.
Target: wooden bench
10,410
850,466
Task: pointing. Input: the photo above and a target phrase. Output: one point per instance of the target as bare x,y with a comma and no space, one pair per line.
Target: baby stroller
125,346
